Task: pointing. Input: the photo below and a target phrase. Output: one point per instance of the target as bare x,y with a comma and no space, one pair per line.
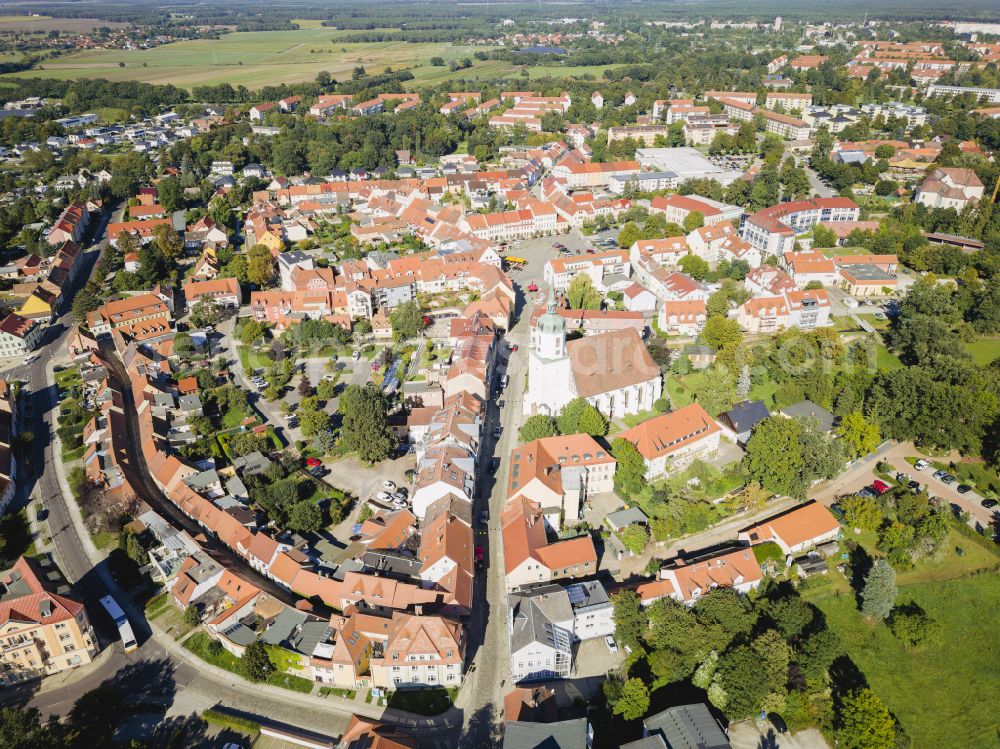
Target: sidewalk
89,548
332,703
73,675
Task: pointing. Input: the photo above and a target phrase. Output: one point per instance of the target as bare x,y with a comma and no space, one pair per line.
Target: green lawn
433,701
845,325
984,350
882,324
938,694
162,610
252,360
885,359
199,644
936,691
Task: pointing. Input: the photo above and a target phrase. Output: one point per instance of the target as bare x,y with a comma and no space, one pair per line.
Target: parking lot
594,659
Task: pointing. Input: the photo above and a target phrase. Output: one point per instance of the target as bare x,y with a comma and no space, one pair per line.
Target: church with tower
613,371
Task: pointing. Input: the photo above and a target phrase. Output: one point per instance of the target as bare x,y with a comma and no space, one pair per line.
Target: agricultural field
265,58
42,24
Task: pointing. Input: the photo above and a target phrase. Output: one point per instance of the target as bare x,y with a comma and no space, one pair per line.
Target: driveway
746,735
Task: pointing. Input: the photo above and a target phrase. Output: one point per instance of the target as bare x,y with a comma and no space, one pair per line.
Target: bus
121,621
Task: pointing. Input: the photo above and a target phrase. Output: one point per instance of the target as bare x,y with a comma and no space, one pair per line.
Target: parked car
880,487
399,497
964,489
389,484
867,492
921,464
513,348
610,642
496,432
384,496
532,287
939,475
777,722
989,504
504,381
313,462
484,517
914,486
948,479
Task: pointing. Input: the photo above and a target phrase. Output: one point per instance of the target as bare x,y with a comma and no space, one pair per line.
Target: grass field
984,350
936,691
569,71
262,58
47,23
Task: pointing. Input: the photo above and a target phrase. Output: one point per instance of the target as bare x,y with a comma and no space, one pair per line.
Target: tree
313,421
305,516
366,423
864,722
206,312
260,265
191,616
694,220
537,427
305,387
593,422
635,538
406,320
629,234
183,345
87,300
168,241
824,236
437,62
630,475
170,194
633,701
255,664
720,332
630,621
861,512
133,549
579,416
743,382
879,592
739,676
911,625
252,332
773,456
695,266
326,389
581,293
859,434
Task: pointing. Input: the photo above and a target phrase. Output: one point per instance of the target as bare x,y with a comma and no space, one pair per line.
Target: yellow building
41,632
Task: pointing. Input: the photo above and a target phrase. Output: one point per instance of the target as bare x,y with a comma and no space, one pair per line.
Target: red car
532,287
880,487
513,348
313,462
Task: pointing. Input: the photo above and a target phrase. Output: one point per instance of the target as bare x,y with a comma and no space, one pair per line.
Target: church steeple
551,331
